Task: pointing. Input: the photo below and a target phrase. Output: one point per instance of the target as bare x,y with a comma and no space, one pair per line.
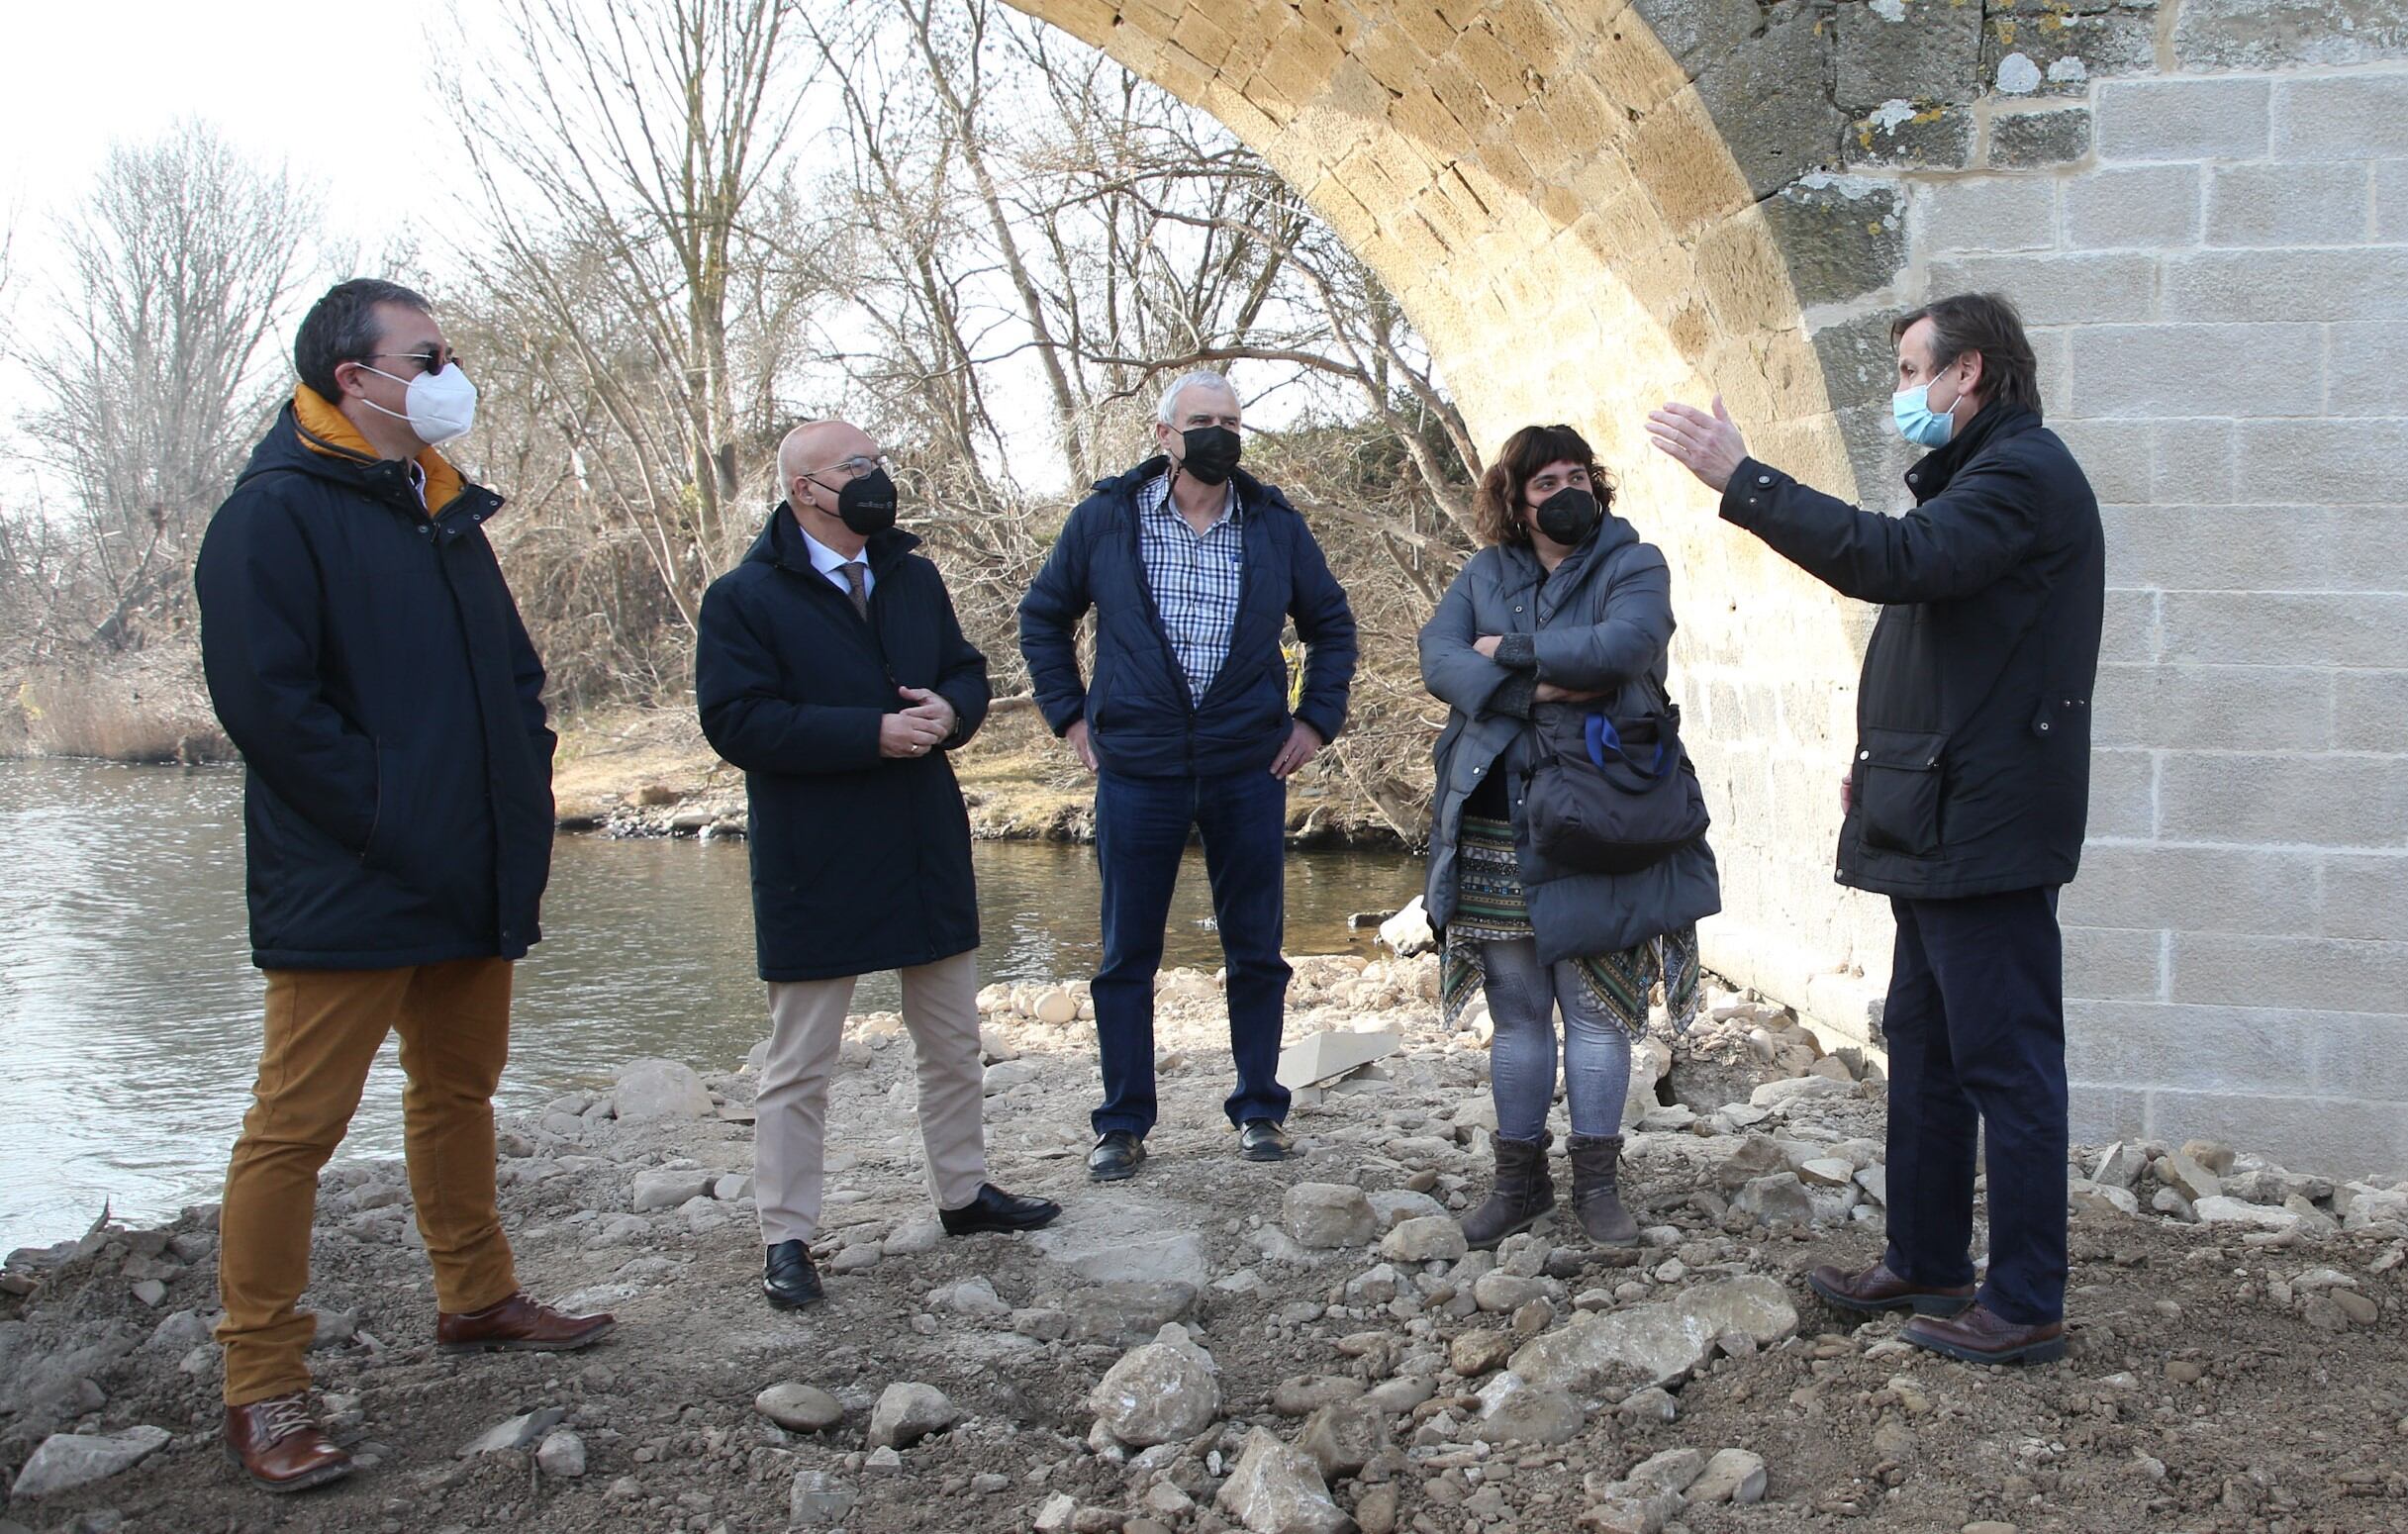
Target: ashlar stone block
1844,236
2070,47
2027,140
1988,213
1903,136
1924,51
2212,34
2134,207
2285,204
2340,116
1768,100
2187,120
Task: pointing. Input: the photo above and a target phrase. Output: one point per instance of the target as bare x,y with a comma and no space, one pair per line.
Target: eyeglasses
428,362
854,467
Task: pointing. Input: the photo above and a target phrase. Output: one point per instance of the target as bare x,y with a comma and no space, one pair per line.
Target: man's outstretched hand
1709,446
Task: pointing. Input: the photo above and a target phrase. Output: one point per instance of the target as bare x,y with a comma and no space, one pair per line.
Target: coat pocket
1898,782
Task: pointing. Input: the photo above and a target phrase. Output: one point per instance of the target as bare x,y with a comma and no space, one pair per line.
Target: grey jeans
1523,998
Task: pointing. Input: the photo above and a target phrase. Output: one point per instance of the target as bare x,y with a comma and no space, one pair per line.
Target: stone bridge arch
1588,206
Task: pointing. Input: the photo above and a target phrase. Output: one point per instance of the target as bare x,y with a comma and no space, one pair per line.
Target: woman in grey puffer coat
1565,609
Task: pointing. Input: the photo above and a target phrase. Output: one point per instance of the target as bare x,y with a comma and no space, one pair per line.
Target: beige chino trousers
790,1124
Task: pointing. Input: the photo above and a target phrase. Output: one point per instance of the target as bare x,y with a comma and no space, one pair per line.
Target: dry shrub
146,707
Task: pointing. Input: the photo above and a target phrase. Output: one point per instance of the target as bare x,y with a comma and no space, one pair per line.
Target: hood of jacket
314,438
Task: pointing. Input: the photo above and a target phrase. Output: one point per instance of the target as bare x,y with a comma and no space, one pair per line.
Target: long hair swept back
1497,505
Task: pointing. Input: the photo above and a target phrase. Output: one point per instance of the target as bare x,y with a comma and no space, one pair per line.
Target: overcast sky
340,92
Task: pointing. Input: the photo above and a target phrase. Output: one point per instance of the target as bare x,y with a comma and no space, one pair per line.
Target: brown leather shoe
281,1446
1876,1289
1980,1337
518,1325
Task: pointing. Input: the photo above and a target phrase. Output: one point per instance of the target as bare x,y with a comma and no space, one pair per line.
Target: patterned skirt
1491,906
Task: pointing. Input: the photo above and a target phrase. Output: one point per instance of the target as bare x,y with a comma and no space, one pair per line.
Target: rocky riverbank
1288,1349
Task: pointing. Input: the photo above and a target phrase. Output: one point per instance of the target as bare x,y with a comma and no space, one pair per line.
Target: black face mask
1212,453
1569,516
866,504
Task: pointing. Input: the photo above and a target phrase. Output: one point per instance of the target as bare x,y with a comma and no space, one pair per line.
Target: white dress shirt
831,564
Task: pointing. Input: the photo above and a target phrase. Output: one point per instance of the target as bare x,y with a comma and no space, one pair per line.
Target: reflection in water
130,1013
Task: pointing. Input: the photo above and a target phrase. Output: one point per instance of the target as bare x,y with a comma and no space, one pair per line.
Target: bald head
809,472
816,446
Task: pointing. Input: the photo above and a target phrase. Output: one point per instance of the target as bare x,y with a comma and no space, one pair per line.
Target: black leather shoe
1118,1155
995,1210
789,1279
1260,1139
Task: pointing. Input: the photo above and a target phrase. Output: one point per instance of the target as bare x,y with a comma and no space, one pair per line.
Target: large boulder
1344,1437
1408,932
666,1189
660,1088
1329,1214
1159,1394
1424,1238
66,1461
906,1412
1797,1089
1656,1343
1515,1411
1276,1490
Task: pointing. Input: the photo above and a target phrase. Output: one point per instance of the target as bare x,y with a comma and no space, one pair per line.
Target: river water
130,1012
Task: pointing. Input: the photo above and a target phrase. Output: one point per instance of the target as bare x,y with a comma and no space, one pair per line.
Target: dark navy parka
367,661
1971,770
860,862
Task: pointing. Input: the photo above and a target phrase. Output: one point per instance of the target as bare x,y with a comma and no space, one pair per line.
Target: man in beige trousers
830,668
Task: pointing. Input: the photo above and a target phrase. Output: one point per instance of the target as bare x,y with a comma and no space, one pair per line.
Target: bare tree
178,265
632,163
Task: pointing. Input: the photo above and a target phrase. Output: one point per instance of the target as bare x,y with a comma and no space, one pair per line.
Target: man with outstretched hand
1967,798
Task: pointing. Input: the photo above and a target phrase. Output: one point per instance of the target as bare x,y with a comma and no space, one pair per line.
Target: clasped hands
914,731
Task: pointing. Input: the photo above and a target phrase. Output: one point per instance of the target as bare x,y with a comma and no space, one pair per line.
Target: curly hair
1496,504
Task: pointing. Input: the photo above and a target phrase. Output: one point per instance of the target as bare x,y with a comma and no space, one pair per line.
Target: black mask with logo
1212,453
1570,515
866,504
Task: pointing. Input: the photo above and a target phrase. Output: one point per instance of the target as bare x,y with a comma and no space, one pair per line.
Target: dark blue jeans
1141,830
1977,1027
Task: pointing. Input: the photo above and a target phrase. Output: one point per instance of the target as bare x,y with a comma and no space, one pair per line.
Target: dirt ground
2212,1385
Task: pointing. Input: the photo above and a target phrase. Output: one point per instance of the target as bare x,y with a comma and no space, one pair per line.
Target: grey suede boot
1596,1198
1522,1194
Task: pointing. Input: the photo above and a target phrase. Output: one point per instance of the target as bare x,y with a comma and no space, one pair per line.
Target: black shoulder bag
1612,795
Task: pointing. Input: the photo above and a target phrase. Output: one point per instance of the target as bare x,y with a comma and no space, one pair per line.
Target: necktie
856,576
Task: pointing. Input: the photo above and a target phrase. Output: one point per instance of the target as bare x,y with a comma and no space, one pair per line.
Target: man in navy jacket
365,657
1968,796
829,666
1193,569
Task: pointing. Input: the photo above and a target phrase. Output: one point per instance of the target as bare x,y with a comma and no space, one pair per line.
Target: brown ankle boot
1596,1198
1524,1193
280,1446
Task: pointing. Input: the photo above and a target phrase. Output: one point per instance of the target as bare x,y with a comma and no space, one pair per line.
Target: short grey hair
1204,377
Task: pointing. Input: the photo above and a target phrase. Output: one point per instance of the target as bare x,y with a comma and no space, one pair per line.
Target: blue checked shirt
1194,579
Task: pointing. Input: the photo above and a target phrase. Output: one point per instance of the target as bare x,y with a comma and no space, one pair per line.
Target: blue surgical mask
1917,421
